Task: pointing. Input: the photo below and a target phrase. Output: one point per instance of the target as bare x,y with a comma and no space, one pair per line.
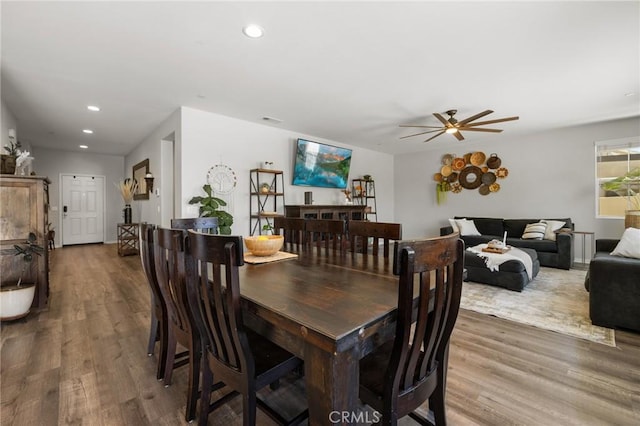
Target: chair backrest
360,231
147,260
212,263
292,228
169,264
328,232
207,225
438,262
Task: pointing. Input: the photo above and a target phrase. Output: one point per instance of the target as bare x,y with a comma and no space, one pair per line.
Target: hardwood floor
84,362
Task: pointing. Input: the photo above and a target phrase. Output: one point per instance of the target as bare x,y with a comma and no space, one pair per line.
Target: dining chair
169,265
360,231
157,330
401,374
328,232
207,225
240,358
292,228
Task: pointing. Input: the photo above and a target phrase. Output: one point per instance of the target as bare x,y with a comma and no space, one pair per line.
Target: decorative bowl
264,245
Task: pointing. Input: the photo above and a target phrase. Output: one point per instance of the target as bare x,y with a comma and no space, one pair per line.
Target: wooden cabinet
128,238
266,190
313,211
24,208
363,193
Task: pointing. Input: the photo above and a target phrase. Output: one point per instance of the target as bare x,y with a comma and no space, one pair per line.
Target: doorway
82,209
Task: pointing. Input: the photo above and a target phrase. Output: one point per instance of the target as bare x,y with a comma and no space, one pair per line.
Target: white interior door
82,209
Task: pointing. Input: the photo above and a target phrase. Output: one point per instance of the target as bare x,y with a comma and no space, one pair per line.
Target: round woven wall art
470,177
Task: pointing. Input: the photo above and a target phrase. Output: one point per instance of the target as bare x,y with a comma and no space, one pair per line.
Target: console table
128,235
328,211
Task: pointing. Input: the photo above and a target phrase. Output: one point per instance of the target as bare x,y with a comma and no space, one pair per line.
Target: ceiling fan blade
458,136
474,117
442,120
473,129
422,133
433,137
415,125
497,120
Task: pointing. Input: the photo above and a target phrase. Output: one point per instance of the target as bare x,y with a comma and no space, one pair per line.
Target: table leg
332,382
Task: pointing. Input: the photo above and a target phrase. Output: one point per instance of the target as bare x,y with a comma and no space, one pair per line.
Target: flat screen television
321,165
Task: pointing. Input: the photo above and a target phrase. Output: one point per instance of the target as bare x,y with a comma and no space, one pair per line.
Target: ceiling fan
454,127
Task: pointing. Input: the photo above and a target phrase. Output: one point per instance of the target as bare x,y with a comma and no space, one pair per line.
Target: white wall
208,139
151,147
7,121
551,174
51,163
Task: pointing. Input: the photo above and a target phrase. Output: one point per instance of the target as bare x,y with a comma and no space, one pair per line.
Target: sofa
554,254
613,283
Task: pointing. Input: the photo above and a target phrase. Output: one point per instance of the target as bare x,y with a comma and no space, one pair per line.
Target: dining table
329,308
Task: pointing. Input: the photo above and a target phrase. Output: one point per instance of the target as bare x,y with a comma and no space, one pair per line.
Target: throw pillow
629,244
552,227
454,225
467,227
534,231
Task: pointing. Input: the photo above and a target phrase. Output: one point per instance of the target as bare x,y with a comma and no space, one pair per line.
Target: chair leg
153,334
249,404
162,358
172,346
194,378
205,395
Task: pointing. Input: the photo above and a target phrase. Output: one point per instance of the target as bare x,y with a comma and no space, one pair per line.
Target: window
615,159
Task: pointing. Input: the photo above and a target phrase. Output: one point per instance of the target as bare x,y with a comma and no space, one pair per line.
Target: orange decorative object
458,164
502,172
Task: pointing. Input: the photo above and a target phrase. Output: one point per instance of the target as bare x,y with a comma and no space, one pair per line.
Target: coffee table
511,275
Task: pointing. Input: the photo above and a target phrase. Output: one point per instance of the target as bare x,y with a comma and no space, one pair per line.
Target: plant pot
15,301
632,219
8,164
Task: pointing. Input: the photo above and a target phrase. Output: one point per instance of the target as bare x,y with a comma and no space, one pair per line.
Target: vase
127,213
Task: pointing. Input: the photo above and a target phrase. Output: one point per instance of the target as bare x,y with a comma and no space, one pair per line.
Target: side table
128,238
593,243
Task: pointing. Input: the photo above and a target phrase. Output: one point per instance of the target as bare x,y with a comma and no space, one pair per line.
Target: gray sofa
613,283
555,254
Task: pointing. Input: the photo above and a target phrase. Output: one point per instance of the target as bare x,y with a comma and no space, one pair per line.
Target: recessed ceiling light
93,108
272,119
88,131
83,146
629,94
253,31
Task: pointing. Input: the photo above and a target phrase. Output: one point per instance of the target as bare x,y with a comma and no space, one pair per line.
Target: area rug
555,300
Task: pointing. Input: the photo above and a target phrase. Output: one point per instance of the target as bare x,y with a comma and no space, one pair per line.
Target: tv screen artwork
321,165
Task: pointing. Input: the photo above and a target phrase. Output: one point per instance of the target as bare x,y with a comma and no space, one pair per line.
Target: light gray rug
555,300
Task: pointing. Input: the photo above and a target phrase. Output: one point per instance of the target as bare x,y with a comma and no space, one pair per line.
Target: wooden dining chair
206,225
240,358
292,228
330,233
169,265
400,375
157,330
360,231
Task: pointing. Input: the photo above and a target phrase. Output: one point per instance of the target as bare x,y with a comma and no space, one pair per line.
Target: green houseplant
16,299
210,207
628,185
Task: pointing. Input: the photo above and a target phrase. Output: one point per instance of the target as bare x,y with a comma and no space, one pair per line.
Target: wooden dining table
328,308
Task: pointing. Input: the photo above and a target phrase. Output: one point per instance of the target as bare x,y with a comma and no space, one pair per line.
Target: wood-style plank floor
84,362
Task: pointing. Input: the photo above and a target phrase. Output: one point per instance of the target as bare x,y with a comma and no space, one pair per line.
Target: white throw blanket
494,260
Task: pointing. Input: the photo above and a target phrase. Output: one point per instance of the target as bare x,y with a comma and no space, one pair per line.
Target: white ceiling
349,72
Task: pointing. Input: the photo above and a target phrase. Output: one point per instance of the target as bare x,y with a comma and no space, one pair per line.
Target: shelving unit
363,193
266,192
128,235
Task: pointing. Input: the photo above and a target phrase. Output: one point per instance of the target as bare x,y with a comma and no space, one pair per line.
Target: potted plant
210,207
8,164
628,186
16,299
267,228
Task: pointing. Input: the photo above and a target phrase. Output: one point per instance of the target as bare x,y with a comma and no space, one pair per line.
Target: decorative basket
632,219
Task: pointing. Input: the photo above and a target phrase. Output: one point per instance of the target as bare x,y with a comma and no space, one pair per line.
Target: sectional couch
555,254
